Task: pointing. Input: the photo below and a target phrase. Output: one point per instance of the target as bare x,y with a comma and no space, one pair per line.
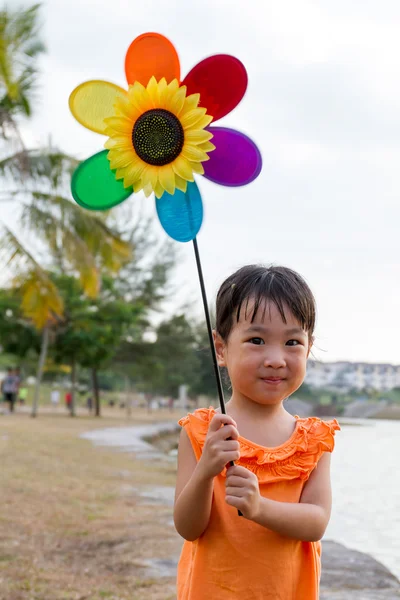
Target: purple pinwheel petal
236,159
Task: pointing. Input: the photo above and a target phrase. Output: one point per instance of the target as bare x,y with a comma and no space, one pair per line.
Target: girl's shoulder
295,458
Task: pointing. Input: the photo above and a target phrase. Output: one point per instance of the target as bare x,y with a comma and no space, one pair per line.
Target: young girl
280,481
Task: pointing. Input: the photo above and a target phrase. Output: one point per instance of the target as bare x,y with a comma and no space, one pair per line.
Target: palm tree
20,46
63,236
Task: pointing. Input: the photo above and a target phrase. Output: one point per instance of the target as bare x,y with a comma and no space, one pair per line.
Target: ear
310,345
219,348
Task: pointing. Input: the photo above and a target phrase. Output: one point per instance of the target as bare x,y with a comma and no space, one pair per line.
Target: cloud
322,104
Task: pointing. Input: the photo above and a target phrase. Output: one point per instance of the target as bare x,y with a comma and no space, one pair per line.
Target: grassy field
71,526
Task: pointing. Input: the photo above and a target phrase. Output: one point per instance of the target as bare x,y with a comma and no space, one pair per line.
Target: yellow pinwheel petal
93,101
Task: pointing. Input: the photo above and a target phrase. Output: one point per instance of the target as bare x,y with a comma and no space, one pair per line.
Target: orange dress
237,558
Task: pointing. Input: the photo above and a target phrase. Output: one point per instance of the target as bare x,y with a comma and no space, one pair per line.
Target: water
366,490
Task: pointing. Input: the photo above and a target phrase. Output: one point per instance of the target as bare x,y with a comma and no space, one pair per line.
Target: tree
20,47
17,335
93,328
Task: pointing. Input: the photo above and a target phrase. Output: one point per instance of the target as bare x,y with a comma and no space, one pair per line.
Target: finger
232,491
218,420
227,432
230,446
235,501
234,481
239,472
231,456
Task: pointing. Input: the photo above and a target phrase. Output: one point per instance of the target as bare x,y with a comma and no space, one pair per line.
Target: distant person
55,398
257,459
89,404
68,401
9,388
22,394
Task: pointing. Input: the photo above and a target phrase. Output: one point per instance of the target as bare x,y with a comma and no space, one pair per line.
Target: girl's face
266,359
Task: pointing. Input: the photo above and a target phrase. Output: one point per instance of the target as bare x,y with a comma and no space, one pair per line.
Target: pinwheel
160,135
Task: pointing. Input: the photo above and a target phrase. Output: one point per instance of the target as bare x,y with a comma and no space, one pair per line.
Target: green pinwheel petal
94,185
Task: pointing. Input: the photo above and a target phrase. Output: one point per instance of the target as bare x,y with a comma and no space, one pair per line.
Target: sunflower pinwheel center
158,137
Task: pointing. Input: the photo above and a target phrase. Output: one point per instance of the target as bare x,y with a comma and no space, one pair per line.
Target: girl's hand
218,450
242,491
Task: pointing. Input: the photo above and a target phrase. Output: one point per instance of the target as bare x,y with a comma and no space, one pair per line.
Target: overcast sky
323,104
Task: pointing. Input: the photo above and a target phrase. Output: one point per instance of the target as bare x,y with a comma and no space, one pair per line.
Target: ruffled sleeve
295,459
196,426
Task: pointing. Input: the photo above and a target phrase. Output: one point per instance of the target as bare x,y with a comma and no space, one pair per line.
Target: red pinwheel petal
221,81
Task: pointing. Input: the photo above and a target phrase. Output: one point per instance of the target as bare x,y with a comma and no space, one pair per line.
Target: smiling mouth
273,379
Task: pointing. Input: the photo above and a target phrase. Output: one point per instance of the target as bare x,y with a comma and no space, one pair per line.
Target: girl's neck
238,406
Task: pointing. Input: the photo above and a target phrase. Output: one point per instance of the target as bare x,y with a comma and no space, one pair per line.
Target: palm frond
41,301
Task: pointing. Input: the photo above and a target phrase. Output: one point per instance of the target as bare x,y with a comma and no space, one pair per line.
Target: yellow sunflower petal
124,108
180,184
163,92
197,136
139,97
138,186
148,190
192,117
123,142
118,124
206,146
120,158
158,190
166,178
197,168
182,168
191,102
133,172
153,91
150,176
93,101
175,103
173,87
204,122
193,153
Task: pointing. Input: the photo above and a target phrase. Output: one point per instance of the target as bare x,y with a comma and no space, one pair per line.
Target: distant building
346,376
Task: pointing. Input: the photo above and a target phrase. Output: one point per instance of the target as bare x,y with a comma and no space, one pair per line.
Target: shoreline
344,571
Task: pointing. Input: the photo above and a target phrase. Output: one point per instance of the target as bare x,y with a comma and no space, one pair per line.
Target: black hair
260,284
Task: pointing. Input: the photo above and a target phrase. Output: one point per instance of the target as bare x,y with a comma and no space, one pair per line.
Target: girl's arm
305,521
194,484
193,493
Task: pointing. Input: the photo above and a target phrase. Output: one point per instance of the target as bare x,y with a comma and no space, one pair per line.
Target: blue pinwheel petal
181,213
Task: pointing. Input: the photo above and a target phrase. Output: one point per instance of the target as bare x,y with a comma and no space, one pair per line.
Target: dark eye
293,343
256,341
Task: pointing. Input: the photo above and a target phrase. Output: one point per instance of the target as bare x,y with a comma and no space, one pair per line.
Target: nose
274,358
